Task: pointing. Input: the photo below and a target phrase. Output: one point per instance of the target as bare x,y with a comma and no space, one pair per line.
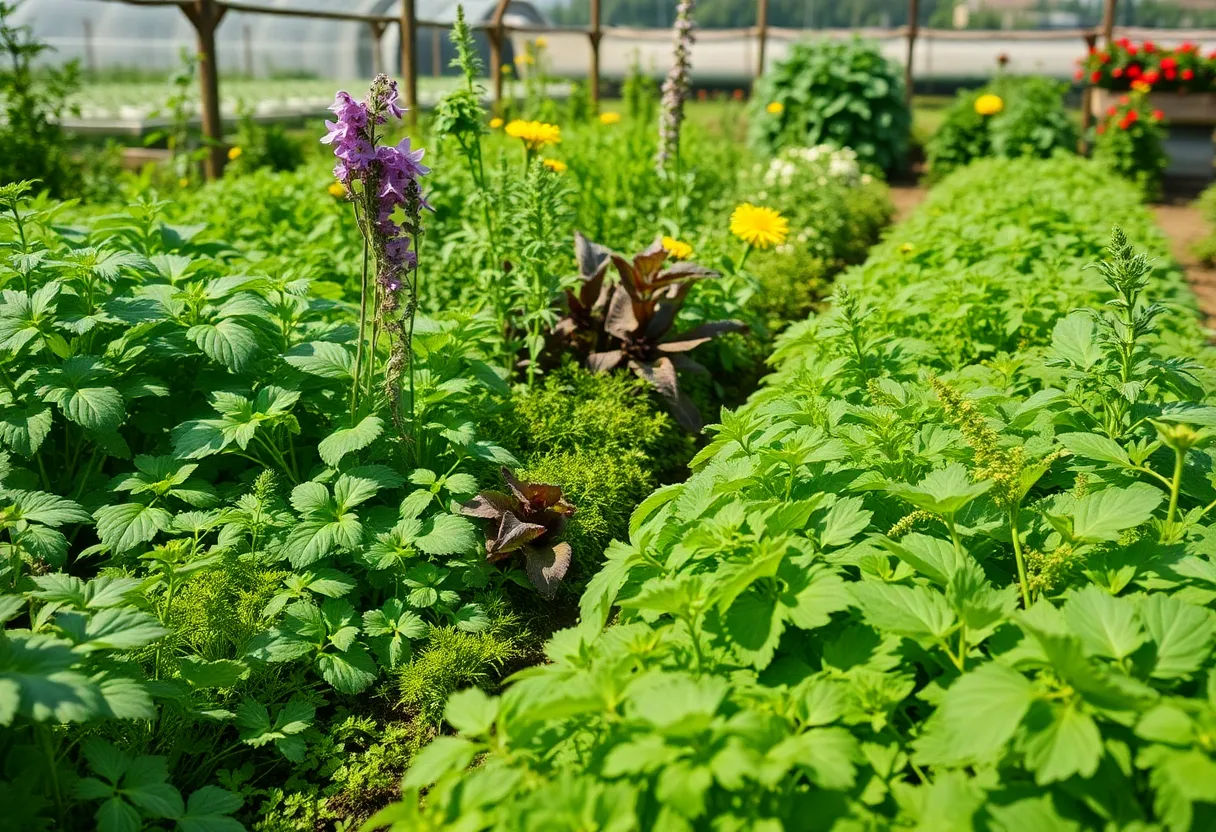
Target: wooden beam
496,34
913,31
1108,21
436,51
1087,97
595,36
761,34
377,30
409,59
206,16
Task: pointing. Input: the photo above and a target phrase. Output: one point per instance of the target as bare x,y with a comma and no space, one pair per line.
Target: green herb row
952,568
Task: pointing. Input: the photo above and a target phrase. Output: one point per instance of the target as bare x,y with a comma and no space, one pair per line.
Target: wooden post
761,34
496,34
1108,22
913,31
90,58
206,16
247,38
436,51
1087,97
593,79
377,46
409,58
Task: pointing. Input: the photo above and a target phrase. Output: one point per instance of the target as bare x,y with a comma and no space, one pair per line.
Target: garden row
950,568
240,573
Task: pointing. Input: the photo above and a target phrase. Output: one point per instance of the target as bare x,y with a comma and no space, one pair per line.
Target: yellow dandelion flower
759,226
525,59
336,189
234,153
989,104
183,182
541,42
907,248
495,123
609,118
677,249
555,165
534,134
775,107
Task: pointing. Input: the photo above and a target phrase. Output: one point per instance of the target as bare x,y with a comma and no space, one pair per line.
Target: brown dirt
906,198
1185,227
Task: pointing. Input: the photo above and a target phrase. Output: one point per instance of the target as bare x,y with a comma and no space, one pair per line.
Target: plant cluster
35,100
1010,117
1129,140
842,93
1181,69
948,569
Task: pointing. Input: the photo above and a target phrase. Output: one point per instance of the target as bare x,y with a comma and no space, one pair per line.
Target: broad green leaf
220,673
1092,446
754,623
208,810
844,521
125,526
447,534
443,756
322,358
115,628
1061,741
915,612
352,671
227,342
977,718
1104,515
345,441
944,491
932,557
1107,626
1075,341
1182,633
471,712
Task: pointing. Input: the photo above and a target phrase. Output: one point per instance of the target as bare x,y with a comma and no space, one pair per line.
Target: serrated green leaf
345,441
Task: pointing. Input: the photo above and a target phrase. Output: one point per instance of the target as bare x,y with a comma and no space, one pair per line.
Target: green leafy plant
1129,138
843,93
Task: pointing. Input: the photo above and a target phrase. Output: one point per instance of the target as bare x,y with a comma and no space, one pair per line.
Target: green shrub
1032,122
1129,140
843,93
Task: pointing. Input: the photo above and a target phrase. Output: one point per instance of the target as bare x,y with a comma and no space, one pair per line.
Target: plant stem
1018,556
1175,487
354,387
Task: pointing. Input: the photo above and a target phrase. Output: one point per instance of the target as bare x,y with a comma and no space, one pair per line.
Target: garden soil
1185,227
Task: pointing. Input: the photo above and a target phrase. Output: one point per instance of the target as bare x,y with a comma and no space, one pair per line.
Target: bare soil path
906,198
1185,227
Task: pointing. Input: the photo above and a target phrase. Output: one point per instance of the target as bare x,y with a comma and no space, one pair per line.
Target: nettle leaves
529,520
630,323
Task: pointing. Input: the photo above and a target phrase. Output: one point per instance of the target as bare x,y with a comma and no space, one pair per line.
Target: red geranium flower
1152,76
1171,74
1132,115
1158,115
1112,111
1186,47
1123,125
1149,47
1134,71
1095,77
1168,64
1117,72
1124,100
1188,74
1104,57
1079,74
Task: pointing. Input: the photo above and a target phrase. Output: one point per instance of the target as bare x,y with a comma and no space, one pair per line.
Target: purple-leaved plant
382,183
675,87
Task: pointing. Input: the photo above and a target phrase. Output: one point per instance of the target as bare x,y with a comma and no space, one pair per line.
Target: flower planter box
1194,109
1189,119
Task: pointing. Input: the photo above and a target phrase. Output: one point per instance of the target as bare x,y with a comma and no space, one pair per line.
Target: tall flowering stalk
381,183
675,87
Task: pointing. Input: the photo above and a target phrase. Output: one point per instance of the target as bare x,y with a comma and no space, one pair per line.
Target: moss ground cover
949,568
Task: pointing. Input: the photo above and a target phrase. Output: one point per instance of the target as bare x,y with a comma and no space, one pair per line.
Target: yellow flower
234,153
535,134
495,123
907,248
678,249
775,107
336,189
183,183
541,42
989,104
555,165
525,59
758,226
609,118
1142,86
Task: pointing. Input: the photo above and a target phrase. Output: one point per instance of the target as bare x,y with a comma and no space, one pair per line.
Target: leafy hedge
951,568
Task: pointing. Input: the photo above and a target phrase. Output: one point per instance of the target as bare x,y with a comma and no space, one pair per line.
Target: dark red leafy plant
582,327
529,519
641,311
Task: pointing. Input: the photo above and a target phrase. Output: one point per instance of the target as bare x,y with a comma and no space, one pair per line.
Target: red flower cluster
1130,111
1182,69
